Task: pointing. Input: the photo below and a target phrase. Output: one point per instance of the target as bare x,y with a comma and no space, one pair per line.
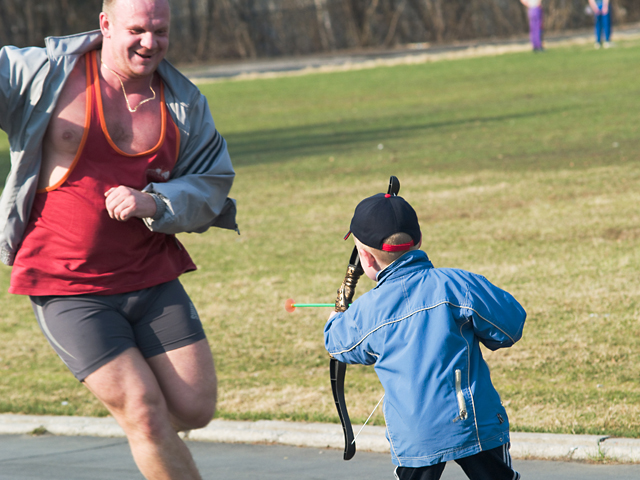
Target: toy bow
338,369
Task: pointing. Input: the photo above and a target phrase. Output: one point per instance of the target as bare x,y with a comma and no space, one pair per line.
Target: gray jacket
31,79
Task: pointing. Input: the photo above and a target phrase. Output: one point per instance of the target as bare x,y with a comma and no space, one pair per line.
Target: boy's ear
366,258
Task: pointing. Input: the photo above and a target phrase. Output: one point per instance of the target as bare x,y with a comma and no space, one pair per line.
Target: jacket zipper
462,405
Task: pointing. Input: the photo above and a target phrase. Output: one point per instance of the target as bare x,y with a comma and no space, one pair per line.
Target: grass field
522,167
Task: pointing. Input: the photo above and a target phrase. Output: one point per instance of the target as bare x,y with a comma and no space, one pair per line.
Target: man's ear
104,24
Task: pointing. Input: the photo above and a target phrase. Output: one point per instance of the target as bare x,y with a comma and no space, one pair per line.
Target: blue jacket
420,327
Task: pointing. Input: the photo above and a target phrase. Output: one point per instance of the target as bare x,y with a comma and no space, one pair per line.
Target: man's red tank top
71,245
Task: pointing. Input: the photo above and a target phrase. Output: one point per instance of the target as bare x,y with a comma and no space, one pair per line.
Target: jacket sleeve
498,319
345,340
19,67
196,194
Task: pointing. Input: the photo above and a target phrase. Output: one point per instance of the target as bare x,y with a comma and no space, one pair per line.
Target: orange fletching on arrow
288,305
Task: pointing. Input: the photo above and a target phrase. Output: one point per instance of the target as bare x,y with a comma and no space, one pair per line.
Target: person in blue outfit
602,13
421,328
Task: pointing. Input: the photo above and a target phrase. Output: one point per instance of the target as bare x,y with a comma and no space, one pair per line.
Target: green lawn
522,167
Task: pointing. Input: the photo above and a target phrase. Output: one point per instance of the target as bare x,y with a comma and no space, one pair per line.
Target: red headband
397,248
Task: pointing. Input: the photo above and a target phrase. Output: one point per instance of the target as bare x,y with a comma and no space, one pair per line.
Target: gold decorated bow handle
348,288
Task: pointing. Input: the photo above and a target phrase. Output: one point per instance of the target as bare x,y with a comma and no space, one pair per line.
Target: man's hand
124,203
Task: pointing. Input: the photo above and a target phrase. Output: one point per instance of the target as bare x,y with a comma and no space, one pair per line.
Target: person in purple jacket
421,328
534,10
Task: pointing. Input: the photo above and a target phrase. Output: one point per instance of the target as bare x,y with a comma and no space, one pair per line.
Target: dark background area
210,30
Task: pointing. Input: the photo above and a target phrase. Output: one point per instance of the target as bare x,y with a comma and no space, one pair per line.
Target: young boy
421,327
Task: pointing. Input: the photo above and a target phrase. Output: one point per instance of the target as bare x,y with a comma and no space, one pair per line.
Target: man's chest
133,133
82,102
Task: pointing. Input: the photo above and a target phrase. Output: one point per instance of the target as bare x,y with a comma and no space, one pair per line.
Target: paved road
26,457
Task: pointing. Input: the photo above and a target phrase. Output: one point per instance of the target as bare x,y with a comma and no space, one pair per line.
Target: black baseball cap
378,217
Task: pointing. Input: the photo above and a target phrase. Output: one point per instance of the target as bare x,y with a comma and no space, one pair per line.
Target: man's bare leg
128,387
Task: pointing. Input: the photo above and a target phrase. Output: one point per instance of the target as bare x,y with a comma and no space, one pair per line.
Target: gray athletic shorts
88,331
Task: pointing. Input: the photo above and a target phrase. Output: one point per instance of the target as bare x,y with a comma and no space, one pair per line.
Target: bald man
113,153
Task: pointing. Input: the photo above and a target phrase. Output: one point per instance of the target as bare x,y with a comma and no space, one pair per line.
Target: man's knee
139,409
196,413
145,414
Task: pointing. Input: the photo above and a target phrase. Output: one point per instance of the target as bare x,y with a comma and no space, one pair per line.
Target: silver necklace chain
132,110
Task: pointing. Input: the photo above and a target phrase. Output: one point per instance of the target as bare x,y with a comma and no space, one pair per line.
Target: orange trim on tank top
87,122
103,124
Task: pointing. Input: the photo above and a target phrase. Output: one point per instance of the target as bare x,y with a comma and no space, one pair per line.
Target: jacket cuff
161,207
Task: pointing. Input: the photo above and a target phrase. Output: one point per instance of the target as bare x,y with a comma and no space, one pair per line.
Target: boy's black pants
492,464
